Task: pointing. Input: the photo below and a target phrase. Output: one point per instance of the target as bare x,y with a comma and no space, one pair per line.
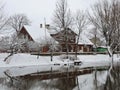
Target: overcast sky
37,10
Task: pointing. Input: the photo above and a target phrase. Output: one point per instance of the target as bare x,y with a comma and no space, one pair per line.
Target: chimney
40,25
47,26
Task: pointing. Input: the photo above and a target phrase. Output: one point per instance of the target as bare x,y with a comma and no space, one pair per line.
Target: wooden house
23,34
68,39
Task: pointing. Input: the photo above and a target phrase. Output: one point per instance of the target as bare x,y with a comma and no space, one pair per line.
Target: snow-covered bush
4,44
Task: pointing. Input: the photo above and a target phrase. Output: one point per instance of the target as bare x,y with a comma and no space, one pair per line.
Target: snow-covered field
29,60
21,64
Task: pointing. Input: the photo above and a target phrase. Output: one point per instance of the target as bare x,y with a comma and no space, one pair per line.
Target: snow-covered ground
21,64
20,60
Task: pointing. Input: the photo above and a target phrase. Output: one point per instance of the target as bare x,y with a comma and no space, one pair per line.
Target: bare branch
106,17
18,20
81,23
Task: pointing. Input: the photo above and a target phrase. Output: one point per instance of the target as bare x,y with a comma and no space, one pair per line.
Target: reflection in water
113,79
36,84
68,80
66,83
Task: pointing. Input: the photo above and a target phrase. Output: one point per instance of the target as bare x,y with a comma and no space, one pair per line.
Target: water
54,78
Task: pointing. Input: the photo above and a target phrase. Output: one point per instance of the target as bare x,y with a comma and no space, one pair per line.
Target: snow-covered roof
52,30
40,35
84,40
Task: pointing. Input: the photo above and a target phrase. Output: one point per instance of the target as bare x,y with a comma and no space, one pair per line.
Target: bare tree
52,48
63,19
3,19
17,21
81,22
96,38
106,18
100,13
94,32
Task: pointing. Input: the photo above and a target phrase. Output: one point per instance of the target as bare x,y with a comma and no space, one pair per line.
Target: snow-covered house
45,38
29,39
39,36
84,44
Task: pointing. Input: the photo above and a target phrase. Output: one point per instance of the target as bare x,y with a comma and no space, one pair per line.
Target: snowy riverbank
21,59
